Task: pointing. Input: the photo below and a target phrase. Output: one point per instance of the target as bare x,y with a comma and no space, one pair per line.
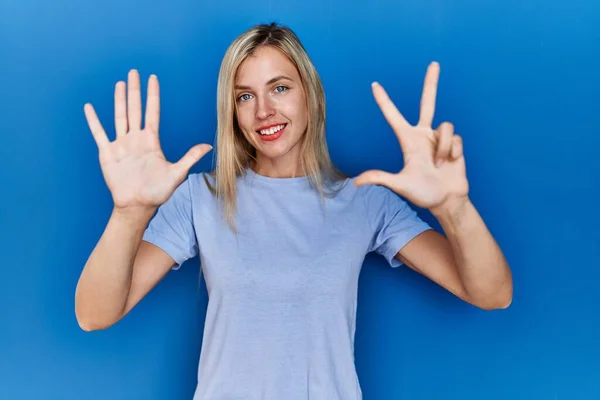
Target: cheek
303,115
296,110
245,124
244,121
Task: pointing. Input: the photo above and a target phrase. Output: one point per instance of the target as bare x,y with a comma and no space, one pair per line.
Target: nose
265,107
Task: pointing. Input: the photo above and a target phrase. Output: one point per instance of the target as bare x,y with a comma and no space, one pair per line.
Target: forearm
482,267
105,281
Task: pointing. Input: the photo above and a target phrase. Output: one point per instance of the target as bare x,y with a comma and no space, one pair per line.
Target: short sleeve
392,222
172,227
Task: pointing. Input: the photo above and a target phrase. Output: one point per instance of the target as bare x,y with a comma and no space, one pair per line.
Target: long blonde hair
234,153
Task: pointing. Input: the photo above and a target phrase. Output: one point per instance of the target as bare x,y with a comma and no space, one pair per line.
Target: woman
280,232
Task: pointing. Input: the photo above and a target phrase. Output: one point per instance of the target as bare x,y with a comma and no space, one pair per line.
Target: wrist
138,214
451,208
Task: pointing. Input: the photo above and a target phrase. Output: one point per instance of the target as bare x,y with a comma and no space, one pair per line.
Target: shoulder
370,202
191,192
376,196
383,206
201,182
368,195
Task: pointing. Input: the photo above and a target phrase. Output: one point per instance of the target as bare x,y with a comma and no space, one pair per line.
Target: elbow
90,321
498,298
90,317
506,301
90,325
87,325
498,305
492,297
500,301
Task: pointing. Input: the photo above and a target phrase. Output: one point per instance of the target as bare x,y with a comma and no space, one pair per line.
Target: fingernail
375,83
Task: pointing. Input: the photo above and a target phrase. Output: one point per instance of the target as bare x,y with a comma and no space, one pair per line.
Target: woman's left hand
434,166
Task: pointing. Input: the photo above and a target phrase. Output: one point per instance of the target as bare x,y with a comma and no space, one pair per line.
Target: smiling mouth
271,130
271,133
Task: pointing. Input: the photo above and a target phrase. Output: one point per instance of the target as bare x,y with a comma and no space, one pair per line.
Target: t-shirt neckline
268,180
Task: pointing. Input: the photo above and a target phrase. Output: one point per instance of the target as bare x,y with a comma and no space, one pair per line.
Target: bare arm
468,262
121,270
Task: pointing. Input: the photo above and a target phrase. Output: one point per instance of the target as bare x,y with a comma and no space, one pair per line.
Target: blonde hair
233,151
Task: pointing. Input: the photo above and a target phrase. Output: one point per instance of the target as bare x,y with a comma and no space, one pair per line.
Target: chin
273,153
278,148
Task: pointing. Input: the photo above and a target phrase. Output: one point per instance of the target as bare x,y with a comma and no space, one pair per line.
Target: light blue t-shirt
281,314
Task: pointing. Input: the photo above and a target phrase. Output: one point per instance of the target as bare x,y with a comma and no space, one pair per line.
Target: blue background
519,81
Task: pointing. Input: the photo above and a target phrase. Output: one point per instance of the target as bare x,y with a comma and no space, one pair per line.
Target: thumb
374,177
399,183
190,158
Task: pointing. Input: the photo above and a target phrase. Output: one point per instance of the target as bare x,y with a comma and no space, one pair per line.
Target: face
271,110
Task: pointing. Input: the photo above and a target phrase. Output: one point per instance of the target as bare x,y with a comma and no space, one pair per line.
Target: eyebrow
271,81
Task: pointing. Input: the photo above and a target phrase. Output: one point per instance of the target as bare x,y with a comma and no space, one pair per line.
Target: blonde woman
280,232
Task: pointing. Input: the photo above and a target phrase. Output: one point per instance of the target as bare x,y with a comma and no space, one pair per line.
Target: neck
277,168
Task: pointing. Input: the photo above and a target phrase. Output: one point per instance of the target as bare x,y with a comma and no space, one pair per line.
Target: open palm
434,165
133,165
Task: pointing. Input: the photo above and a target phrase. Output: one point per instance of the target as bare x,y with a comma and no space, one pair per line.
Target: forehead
262,65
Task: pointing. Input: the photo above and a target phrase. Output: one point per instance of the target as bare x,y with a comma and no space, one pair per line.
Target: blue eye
284,88
244,97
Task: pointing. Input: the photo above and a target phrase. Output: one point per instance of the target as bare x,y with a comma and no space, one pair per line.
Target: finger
374,177
457,147
429,95
444,143
399,183
152,105
389,110
120,109
95,126
191,157
134,100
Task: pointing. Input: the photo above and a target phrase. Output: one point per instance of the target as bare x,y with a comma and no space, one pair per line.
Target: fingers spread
95,126
153,104
429,95
134,100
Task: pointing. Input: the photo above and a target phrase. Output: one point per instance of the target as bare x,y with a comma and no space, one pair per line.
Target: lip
275,136
270,126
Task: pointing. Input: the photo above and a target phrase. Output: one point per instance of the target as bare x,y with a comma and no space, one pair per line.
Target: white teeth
272,130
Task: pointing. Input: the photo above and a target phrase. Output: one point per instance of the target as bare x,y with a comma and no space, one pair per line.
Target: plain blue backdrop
520,82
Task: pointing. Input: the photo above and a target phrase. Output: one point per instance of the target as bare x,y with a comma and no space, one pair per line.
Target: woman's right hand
133,165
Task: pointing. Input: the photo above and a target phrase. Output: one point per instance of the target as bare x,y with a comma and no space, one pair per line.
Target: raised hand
133,165
434,166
